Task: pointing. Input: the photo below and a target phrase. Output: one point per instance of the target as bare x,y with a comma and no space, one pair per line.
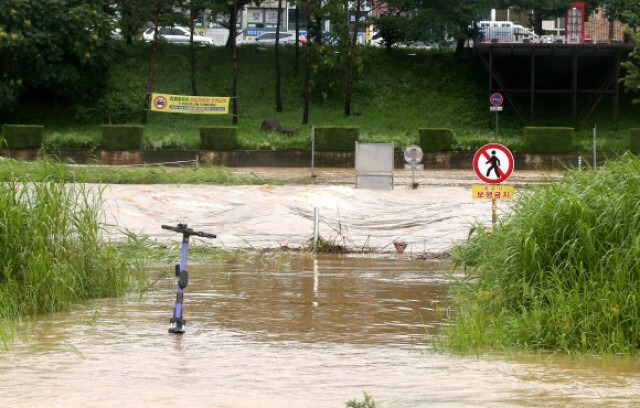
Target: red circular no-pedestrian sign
160,102
493,163
496,99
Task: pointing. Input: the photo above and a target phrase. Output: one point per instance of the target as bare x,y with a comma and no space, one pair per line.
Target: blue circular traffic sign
496,99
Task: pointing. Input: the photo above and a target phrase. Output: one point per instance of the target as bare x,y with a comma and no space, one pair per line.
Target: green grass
368,402
41,170
395,94
53,250
561,273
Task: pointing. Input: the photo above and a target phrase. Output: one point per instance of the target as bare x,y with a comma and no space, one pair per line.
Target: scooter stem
177,322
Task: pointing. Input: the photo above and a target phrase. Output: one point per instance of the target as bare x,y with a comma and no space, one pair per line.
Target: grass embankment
52,250
562,273
41,170
395,94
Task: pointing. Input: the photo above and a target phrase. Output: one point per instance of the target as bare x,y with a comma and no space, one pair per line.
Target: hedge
22,136
219,138
122,137
548,139
435,140
336,139
634,140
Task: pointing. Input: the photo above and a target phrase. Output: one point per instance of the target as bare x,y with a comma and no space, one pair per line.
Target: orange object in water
400,246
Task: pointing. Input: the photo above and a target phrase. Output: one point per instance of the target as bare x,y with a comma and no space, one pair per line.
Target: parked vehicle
177,35
505,31
270,39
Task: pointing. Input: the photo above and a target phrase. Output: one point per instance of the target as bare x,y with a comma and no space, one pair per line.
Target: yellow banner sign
493,191
199,105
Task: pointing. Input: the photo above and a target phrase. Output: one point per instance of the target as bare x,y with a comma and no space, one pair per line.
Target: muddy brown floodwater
288,331
430,219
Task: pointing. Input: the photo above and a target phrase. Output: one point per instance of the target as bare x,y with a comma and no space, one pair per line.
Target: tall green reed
52,248
560,273
41,169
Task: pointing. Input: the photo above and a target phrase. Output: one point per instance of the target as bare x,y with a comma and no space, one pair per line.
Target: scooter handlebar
182,229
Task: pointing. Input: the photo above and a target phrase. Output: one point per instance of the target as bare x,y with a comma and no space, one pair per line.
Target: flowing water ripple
288,331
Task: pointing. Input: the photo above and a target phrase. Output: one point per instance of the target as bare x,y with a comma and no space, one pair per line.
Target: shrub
219,138
560,272
436,140
336,139
548,139
634,140
122,137
23,136
53,248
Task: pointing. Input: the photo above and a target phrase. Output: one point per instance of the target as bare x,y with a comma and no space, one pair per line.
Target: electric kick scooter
177,323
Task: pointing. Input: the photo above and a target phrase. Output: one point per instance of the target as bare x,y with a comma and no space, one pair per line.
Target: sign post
413,155
496,101
493,164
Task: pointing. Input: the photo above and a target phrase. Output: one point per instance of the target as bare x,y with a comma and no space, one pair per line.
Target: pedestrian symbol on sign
495,164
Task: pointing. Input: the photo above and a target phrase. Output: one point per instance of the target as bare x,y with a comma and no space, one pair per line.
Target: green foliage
436,140
122,137
392,29
368,402
22,136
41,170
80,137
561,272
397,93
634,140
336,139
134,14
548,140
627,11
632,78
440,20
329,71
53,50
219,138
52,252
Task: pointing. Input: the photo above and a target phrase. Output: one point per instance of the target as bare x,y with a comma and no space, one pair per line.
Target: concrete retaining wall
267,158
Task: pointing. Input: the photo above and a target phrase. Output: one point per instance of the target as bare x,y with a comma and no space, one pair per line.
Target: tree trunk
233,20
297,39
460,46
152,61
318,29
234,86
126,16
192,54
307,75
352,62
277,56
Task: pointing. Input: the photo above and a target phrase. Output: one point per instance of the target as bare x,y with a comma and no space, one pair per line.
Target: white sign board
374,165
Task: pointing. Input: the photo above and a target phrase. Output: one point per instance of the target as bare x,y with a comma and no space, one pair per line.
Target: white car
177,35
270,39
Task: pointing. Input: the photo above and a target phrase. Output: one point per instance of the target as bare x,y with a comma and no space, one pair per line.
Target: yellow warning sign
493,192
202,105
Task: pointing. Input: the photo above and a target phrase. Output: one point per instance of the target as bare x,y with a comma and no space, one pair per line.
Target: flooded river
430,218
287,331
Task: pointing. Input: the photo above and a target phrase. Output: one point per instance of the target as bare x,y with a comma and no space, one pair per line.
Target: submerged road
431,218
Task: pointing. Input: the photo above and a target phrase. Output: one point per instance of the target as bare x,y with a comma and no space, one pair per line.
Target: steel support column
616,89
533,83
574,84
490,78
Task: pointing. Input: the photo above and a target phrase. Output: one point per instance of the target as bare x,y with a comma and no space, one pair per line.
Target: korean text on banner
493,191
200,105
